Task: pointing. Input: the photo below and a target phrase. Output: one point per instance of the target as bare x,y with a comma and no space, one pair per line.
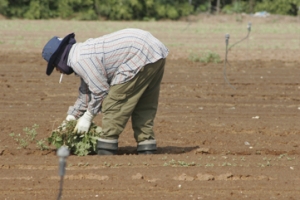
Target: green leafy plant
206,57
194,57
29,138
78,144
210,56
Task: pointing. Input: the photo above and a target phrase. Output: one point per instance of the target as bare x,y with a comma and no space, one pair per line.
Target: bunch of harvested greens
78,144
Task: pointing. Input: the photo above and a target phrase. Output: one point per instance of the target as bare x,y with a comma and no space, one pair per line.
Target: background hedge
138,9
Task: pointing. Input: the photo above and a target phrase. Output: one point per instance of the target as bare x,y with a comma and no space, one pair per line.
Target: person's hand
68,118
84,123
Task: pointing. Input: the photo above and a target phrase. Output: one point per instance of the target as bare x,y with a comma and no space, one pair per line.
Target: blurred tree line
138,9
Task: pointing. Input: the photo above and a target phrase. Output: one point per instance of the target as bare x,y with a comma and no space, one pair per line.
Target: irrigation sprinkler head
227,38
63,152
249,26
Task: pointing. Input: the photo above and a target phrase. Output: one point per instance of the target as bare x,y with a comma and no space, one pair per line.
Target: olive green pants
138,99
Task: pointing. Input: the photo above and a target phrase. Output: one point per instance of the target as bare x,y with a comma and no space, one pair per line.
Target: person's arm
84,122
83,99
94,76
95,103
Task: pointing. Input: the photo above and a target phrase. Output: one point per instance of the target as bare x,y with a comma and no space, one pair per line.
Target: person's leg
145,111
120,102
116,110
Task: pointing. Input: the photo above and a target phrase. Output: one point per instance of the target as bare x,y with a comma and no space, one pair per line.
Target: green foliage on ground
29,137
205,57
78,144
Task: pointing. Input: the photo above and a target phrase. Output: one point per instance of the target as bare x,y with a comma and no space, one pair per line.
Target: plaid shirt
109,60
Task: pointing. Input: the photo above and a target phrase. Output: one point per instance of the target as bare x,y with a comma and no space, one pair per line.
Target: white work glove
68,118
84,123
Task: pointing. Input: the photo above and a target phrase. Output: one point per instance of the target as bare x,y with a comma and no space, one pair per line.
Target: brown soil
215,140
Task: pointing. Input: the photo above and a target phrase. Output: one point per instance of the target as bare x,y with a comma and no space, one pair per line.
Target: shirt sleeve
93,76
99,90
83,99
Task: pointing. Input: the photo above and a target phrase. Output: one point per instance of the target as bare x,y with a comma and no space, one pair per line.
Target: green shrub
172,13
236,7
205,57
3,7
136,9
282,7
30,137
210,56
78,144
194,57
89,14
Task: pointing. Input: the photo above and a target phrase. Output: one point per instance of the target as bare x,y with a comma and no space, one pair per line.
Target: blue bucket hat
53,50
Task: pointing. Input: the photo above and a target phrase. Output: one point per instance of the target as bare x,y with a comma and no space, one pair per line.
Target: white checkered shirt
109,60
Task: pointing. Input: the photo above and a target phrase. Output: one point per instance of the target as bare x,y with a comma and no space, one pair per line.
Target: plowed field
217,139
